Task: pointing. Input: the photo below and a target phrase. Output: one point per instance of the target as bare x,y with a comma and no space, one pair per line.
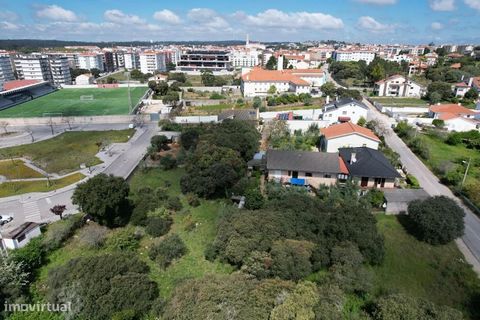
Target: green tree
378,73
299,304
257,103
159,142
105,199
291,259
254,199
328,89
271,63
272,89
189,138
170,248
438,123
208,79
471,94
171,98
437,220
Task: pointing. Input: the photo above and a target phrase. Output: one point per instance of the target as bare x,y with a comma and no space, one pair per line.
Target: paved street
35,207
432,186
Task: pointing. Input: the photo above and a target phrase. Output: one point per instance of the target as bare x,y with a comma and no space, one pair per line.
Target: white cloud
436,26
207,18
276,18
167,16
5,25
442,5
379,2
8,16
56,13
117,16
370,24
474,4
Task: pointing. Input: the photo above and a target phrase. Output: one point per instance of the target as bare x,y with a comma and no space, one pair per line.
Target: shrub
168,162
258,264
436,220
158,226
167,125
165,251
123,239
375,198
291,259
60,231
159,142
254,199
174,203
31,256
438,123
192,199
412,181
92,235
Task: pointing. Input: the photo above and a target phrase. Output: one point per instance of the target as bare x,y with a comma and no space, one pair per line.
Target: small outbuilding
19,236
397,200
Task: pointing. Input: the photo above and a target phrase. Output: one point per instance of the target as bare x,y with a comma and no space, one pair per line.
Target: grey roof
404,195
239,114
343,102
303,161
369,163
24,228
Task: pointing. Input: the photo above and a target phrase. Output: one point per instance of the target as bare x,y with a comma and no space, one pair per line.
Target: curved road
469,244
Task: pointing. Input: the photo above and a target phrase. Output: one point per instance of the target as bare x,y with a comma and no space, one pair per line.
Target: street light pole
129,95
466,171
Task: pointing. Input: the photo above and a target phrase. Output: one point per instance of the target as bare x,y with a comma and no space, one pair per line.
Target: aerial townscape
256,160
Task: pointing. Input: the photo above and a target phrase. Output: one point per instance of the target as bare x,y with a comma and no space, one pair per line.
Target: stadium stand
19,91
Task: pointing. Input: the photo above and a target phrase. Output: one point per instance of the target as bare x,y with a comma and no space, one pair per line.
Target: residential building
455,117
108,61
369,167
398,86
459,89
132,60
6,70
199,60
258,81
347,135
152,61
245,58
474,82
344,110
305,168
33,68
354,55
18,237
118,60
90,61
85,79
60,70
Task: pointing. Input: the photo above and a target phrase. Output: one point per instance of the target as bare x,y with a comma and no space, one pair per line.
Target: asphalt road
430,183
36,207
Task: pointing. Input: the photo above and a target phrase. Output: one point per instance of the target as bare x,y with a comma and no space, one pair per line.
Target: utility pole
466,171
129,95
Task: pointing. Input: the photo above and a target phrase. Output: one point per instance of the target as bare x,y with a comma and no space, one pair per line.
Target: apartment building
152,61
205,59
354,55
90,61
60,70
33,68
245,58
132,60
6,70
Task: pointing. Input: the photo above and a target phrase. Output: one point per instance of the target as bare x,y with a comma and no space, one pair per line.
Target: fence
196,119
74,120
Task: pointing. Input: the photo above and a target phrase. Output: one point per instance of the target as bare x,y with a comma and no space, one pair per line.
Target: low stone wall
196,119
74,120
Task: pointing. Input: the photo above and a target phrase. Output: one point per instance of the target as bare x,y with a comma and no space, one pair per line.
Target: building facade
152,61
60,69
6,70
199,60
90,61
354,55
398,86
33,68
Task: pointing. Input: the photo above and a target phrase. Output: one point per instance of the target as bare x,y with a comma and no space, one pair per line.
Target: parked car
5,219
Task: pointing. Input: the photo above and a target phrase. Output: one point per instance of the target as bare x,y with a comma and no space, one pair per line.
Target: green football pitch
69,102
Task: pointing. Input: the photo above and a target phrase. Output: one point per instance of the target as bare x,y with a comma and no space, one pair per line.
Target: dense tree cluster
286,98
100,287
437,220
210,80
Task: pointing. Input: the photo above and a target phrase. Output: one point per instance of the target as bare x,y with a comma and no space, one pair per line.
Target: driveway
469,244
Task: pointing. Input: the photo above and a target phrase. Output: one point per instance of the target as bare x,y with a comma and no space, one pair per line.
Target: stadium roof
16,84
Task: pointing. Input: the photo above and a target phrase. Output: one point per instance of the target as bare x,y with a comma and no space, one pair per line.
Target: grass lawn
8,189
435,273
66,152
66,102
16,169
196,80
400,102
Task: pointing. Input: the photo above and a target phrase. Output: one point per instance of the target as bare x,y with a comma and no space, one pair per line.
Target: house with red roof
455,116
347,135
460,89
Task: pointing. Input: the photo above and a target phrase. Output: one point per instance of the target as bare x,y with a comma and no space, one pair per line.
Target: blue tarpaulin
297,182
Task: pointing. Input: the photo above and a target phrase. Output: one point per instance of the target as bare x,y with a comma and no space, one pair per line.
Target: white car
5,219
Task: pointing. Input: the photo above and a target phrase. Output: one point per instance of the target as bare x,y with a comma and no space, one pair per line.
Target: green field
65,153
66,102
16,169
436,273
400,102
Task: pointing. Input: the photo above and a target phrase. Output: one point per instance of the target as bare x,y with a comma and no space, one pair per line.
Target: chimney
280,63
353,158
327,100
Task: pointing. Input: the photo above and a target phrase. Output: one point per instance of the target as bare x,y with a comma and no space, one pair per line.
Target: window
308,174
289,173
21,238
327,176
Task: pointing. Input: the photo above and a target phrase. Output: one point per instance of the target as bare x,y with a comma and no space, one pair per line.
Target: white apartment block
132,60
90,61
60,69
152,61
245,58
6,70
354,55
33,68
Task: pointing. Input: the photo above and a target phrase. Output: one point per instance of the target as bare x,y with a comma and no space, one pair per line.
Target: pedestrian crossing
31,211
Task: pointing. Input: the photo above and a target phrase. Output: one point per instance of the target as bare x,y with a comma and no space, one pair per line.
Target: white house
84,79
455,116
460,89
347,135
460,124
398,86
19,236
344,110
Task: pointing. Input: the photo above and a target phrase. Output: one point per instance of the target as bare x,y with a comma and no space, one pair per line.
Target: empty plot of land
78,102
400,102
16,169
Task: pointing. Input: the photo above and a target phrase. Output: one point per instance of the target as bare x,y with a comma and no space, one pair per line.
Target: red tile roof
451,108
15,84
347,128
262,75
343,166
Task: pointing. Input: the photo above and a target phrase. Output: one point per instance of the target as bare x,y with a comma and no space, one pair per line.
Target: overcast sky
368,21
